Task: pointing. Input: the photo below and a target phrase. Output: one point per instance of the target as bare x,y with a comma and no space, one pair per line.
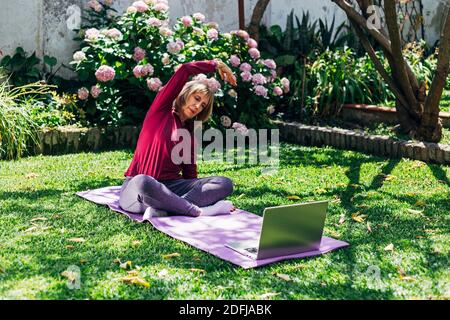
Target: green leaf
51,61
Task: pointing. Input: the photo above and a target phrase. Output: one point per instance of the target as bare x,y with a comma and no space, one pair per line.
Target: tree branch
443,66
399,67
378,65
258,13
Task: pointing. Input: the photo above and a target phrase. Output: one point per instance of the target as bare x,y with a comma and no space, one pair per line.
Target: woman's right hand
225,73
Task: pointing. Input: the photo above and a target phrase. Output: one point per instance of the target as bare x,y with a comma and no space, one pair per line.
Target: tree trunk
417,111
255,22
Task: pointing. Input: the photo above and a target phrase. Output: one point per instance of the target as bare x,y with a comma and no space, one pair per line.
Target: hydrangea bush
123,66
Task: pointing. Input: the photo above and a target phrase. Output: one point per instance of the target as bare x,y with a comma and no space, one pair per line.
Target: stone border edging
372,144
72,140
369,114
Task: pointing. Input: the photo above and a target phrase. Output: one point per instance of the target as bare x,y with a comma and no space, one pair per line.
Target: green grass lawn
399,245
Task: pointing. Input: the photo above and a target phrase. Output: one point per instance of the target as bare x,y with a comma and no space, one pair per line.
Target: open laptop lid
292,229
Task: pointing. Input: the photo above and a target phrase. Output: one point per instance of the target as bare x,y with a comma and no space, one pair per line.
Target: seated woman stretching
153,185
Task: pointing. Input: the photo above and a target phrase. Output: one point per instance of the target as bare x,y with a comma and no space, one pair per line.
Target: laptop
286,230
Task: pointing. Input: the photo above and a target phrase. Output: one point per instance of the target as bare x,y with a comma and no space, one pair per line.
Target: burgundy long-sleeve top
154,147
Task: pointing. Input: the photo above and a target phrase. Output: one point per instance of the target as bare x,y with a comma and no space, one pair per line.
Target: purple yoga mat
209,233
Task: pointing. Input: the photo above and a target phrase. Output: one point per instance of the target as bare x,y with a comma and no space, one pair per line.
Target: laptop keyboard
252,250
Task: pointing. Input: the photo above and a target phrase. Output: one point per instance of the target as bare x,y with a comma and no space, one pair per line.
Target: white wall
45,26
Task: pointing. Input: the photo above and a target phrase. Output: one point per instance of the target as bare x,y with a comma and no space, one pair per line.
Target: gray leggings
179,197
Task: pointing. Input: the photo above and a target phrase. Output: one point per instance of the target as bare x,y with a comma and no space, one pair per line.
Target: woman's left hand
225,73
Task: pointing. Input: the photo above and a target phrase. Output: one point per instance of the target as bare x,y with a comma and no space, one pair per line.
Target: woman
153,184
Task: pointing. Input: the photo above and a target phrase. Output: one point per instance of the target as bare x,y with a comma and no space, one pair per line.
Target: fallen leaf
69,246
2,270
136,243
417,164
369,228
133,273
78,240
116,260
136,280
389,247
293,197
342,219
240,196
414,211
171,255
38,219
31,175
419,203
268,295
125,265
197,270
31,229
355,185
358,217
283,276
419,237
362,206
70,275
163,273
389,177
196,259
407,278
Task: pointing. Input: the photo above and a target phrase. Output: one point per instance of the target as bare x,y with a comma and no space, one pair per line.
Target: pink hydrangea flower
261,91
142,71
173,47
213,85
258,78
139,54
269,63
161,7
154,22
147,69
243,34
199,16
180,43
277,91
246,76
187,21
83,93
105,73
213,25
239,127
165,32
140,6
200,77
79,56
235,61
212,34
245,67
95,91
154,84
131,10
91,34
286,84
114,34
165,59
252,43
95,5
198,31
254,53
109,2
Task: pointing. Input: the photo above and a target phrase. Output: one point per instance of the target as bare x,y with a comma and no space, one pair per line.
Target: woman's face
195,103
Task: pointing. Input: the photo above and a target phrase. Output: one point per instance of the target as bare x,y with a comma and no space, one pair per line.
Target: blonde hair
192,87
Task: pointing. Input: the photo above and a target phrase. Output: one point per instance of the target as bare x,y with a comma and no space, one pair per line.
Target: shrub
17,128
123,66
